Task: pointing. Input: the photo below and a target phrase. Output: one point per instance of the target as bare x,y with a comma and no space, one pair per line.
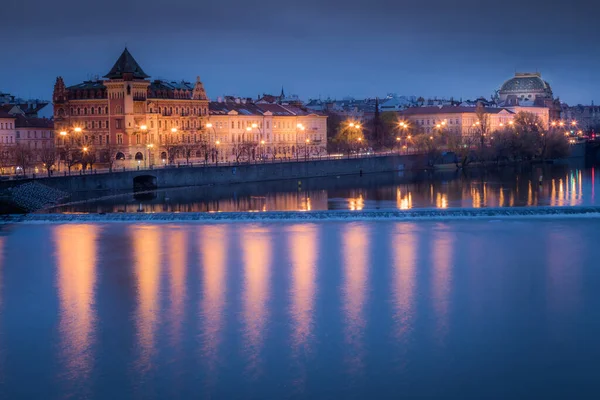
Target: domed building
525,88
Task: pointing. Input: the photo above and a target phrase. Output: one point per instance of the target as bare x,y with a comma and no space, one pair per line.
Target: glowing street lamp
85,149
144,127
63,133
77,129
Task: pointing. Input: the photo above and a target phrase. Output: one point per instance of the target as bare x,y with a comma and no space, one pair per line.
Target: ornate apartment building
132,120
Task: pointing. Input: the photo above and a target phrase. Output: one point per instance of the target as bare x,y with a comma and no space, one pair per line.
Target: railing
212,164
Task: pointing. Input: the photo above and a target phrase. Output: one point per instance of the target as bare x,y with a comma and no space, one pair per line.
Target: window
151,124
118,124
138,139
92,110
119,139
267,124
18,135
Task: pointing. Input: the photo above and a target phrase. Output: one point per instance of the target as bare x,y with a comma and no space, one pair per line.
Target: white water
340,215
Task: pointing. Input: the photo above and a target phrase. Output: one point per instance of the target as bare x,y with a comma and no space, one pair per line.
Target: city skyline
317,50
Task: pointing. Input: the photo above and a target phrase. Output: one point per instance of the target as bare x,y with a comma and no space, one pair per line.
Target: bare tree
47,155
23,157
483,123
6,157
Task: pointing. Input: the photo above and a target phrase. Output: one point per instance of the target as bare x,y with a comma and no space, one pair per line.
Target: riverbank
170,177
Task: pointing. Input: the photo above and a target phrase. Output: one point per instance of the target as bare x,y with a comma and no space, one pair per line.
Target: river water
473,309
560,186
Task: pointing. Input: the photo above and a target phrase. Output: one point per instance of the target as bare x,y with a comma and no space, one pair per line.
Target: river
485,308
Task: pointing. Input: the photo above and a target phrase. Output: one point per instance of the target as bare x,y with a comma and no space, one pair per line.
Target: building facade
35,133
128,119
458,120
7,129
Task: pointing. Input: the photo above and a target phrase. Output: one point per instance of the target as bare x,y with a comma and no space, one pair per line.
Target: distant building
7,129
459,120
36,133
16,106
587,117
138,121
525,89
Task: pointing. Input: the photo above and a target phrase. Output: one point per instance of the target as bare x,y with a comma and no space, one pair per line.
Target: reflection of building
129,117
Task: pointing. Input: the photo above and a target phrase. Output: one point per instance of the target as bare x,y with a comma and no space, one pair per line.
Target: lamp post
261,140
217,143
307,141
149,146
214,150
170,140
299,127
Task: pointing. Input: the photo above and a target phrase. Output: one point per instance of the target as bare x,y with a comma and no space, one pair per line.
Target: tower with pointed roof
127,88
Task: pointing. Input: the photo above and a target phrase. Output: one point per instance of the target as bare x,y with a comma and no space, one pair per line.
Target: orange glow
403,202
146,255
76,255
442,275
441,200
355,248
357,204
213,256
404,243
303,249
256,250
177,257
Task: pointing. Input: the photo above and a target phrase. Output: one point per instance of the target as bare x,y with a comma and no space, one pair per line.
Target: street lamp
149,146
301,128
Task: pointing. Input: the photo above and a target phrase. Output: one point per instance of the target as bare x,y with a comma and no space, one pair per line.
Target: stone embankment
30,196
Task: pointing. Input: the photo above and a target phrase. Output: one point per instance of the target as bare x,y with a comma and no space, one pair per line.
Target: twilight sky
461,48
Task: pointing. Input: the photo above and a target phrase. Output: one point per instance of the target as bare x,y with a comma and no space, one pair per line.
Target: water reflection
404,244
177,256
355,248
256,249
302,244
472,188
147,250
76,255
213,254
441,280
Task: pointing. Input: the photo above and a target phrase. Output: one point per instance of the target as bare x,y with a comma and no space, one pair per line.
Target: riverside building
127,119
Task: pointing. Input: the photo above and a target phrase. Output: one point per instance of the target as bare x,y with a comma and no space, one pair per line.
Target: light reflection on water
301,310
560,186
256,249
76,255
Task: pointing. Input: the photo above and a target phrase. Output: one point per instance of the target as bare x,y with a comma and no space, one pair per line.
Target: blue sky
313,48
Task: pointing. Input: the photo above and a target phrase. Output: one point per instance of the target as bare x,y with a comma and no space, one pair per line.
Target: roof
126,64
526,82
85,85
248,108
23,122
450,110
4,114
